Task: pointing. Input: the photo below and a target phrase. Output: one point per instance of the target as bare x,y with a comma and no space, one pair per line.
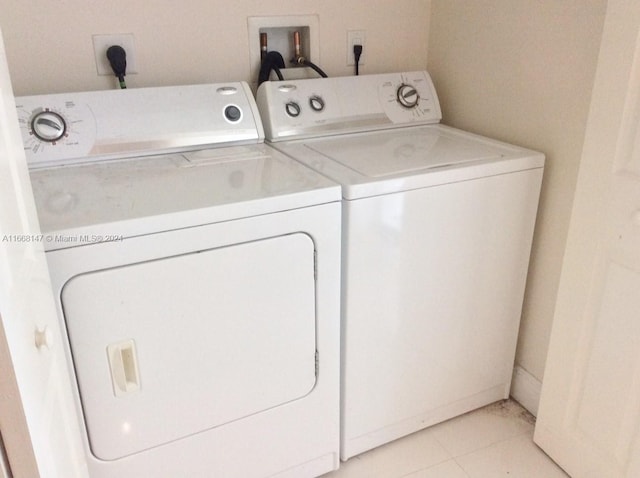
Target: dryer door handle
123,363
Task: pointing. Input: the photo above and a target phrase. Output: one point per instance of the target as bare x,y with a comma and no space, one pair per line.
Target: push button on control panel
233,113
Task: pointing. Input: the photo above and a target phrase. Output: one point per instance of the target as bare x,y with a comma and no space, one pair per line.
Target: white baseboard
525,389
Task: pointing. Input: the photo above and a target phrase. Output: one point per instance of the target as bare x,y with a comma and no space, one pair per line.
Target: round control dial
408,96
293,109
316,103
48,126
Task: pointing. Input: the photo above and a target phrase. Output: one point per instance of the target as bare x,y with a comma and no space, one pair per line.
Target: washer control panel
91,126
316,107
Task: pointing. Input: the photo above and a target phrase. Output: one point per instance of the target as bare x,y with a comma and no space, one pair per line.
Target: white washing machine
197,276
437,231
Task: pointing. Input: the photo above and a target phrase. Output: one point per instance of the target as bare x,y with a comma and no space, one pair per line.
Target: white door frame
40,427
589,416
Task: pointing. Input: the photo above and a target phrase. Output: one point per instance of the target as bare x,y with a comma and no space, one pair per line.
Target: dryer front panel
170,347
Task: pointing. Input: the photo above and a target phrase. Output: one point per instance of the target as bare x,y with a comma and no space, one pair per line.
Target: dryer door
167,348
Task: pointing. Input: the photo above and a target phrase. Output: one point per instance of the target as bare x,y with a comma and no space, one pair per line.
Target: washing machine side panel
434,281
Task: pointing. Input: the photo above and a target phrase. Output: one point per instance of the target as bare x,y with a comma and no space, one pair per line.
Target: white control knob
316,103
48,126
408,96
292,108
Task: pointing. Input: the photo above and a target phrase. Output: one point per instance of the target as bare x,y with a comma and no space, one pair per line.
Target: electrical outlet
356,37
101,44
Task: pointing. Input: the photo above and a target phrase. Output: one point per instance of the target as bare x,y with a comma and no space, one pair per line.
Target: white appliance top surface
382,162
121,163
403,151
111,199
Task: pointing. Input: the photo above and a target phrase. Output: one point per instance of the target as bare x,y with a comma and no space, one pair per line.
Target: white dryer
437,231
197,276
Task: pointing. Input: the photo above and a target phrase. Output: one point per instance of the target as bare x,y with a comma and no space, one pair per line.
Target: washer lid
404,152
389,161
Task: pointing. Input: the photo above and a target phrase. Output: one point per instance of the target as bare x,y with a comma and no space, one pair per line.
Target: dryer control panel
96,125
322,106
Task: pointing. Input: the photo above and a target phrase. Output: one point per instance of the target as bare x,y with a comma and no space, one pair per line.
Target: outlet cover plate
356,37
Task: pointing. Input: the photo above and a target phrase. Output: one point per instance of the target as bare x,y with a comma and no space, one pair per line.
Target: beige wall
50,48
522,71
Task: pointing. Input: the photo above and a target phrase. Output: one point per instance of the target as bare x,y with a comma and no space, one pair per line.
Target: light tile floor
492,442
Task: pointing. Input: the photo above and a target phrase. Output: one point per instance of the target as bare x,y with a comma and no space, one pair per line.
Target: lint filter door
172,347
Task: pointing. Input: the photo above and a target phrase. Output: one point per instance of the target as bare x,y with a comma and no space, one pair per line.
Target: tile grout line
430,466
436,465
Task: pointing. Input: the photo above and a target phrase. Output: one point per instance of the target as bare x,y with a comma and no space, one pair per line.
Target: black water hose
273,61
313,66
